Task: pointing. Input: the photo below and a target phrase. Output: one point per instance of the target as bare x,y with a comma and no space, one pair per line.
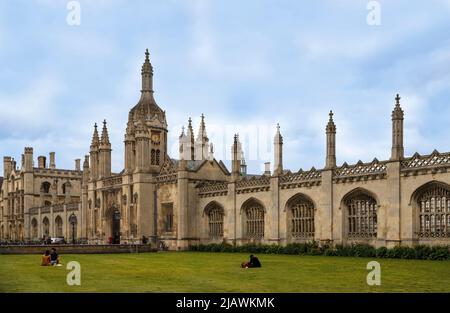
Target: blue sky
246,65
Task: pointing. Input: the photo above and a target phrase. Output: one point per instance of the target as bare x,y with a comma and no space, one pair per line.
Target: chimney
78,165
52,164
7,166
41,161
267,168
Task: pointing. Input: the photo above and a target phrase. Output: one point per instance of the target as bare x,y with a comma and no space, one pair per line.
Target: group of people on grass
50,257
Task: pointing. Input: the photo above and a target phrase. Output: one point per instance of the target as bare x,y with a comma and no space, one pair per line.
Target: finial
331,115
147,55
278,127
397,100
95,125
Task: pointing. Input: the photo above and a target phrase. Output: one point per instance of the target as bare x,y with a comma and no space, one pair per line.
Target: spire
182,135
105,136
398,151
95,138
331,127
397,114
147,74
235,156
331,143
202,130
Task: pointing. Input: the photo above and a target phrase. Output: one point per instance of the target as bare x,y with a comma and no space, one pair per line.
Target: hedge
420,252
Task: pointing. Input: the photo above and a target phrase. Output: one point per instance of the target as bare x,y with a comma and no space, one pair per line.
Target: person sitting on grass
54,259
254,262
46,258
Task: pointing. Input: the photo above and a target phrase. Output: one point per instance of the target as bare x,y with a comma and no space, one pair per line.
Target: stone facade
195,199
37,202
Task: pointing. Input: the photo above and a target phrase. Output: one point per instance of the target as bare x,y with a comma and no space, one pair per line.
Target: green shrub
439,253
422,252
312,248
381,252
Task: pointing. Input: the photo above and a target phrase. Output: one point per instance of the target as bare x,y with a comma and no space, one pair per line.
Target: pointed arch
46,227
253,200
34,228
300,210
431,207
360,209
253,218
215,214
58,226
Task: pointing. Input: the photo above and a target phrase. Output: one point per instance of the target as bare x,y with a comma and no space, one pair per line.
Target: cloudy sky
247,65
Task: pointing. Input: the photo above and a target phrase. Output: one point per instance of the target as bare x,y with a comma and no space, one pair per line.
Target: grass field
220,272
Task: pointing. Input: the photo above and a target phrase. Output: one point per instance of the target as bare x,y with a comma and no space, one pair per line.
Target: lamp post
73,222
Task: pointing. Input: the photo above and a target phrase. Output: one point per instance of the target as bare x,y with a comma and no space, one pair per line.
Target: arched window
215,221
361,216
434,212
34,228
58,226
254,220
153,157
73,223
46,227
157,156
45,187
301,222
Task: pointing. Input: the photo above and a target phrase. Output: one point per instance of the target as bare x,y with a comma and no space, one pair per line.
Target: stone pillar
183,205
28,191
232,214
393,205
274,210
324,219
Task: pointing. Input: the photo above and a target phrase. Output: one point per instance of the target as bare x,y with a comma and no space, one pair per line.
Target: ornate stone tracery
434,212
361,216
254,220
301,212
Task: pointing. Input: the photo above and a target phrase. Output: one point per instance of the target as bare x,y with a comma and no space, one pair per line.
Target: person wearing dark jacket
254,261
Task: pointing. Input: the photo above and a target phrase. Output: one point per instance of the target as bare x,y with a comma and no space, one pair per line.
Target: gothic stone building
196,199
35,202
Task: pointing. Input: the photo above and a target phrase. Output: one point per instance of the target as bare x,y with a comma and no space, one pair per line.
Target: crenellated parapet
360,171
253,184
213,189
420,165
302,178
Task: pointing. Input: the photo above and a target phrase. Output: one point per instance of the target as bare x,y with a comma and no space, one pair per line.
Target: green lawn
220,272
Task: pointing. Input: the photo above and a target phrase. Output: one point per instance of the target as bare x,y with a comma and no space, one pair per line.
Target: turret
236,157
7,166
94,154
28,160
104,153
398,151
129,146
202,142
190,141
278,150
331,143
